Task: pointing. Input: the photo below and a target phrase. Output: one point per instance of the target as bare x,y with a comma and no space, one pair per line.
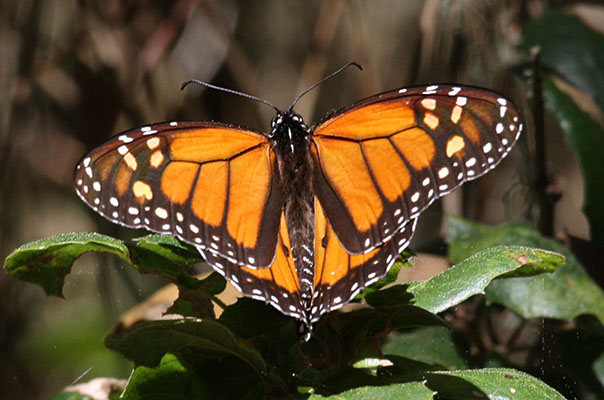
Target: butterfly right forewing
382,161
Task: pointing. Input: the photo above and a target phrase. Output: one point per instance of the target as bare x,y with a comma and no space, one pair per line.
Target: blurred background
73,73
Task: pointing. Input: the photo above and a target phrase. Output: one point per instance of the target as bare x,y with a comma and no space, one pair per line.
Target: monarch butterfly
302,217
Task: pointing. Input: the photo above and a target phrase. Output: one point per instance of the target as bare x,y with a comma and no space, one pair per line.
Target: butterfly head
288,123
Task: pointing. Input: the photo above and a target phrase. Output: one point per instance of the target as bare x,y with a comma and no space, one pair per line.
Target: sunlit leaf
47,262
469,277
490,383
565,294
411,390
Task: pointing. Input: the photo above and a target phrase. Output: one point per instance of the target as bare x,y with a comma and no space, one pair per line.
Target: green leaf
169,380
571,50
170,247
147,342
586,138
192,303
404,260
565,294
410,390
431,345
491,383
71,396
250,318
469,277
47,262
598,368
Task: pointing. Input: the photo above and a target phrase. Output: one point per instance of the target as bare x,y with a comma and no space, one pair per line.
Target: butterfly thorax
290,139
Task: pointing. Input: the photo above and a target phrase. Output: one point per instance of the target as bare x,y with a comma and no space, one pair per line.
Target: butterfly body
302,218
290,140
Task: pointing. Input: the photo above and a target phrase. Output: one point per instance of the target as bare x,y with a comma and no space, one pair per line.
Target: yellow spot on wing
455,144
431,120
156,158
142,190
130,161
429,104
153,142
456,114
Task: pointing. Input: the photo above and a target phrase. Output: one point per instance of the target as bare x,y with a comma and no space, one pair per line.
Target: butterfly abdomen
291,144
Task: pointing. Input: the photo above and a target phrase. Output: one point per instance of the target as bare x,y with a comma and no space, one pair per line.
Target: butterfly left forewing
382,161
211,185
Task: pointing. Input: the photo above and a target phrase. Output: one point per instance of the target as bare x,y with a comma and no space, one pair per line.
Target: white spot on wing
161,212
454,91
502,111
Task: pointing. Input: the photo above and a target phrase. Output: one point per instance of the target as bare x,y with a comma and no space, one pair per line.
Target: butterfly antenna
323,80
249,96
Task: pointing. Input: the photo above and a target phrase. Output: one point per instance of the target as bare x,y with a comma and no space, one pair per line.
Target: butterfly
302,217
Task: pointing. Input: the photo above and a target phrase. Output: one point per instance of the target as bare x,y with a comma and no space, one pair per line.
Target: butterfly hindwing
210,184
382,161
278,285
339,276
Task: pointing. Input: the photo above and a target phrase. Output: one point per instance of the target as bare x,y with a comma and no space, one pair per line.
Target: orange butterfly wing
382,161
338,275
278,285
209,184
